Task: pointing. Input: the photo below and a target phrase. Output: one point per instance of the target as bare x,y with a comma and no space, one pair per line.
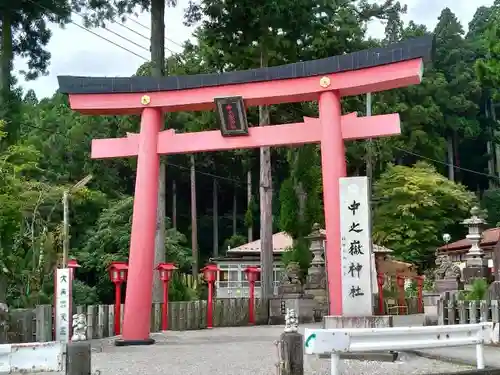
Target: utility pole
369,142
65,229
215,220
65,201
194,223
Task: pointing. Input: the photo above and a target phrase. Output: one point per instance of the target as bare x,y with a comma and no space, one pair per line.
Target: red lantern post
72,264
380,283
251,273
400,281
210,273
118,275
420,294
166,270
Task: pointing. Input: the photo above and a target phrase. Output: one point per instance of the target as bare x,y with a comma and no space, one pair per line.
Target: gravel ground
235,351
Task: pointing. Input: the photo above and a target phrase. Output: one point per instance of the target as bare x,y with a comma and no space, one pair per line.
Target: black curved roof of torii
407,50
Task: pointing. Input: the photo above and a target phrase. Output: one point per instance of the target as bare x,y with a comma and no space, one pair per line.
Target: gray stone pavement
235,351
463,355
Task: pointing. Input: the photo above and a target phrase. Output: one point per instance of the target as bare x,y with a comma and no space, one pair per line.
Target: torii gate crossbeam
325,80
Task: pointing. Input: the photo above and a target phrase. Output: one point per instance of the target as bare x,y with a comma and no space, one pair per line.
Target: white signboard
355,232
63,304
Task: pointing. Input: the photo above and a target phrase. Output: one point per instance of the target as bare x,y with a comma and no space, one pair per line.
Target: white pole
335,364
480,356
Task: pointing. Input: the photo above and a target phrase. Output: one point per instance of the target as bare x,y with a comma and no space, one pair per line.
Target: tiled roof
281,241
490,238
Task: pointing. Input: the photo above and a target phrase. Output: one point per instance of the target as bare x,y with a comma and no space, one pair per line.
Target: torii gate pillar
142,236
333,167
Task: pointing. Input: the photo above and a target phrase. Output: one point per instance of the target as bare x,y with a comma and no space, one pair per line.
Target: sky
76,51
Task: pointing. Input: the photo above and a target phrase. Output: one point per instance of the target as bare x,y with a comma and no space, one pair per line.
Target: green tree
24,32
414,206
109,240
490,201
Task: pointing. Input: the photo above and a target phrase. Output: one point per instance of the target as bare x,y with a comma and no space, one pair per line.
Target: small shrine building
231,282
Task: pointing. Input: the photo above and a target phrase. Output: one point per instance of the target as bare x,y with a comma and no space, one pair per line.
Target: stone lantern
476,264
316,275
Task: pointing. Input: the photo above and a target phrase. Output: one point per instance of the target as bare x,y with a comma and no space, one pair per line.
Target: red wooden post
210,307
118,275
251,273
165,270
251,309
400,281
210,271
380,283
118,307
164,318
420,294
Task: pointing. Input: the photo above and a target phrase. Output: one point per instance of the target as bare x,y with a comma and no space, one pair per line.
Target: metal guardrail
32,357
359,340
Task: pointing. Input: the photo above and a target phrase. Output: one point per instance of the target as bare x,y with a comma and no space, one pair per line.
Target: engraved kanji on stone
355,292
355,228
355,248
353,207
355,269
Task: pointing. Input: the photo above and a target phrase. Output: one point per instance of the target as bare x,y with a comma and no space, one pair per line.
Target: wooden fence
451,311
28,325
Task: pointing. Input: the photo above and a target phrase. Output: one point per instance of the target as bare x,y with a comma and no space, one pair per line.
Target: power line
94,33
108,40
128,28
147,28
119,35
244,183
447,164
237,182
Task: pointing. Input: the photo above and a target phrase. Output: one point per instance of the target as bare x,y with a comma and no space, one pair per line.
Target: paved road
464,355
235,351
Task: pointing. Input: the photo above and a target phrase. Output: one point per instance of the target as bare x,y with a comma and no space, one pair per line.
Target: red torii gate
325,80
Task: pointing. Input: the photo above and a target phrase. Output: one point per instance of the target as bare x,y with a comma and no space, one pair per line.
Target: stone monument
476,264
307,301
494,288
356,259
447,274
79,327
291,296
291,347
290,284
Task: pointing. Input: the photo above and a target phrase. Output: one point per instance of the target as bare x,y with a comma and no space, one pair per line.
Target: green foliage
490,201
250,212
478,291
289,205
234,241
414,206
109,240
298,253
84,294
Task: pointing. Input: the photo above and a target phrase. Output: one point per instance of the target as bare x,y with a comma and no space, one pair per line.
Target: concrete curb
445,358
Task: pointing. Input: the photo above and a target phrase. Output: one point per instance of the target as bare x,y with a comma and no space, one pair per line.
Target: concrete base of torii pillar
374,321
